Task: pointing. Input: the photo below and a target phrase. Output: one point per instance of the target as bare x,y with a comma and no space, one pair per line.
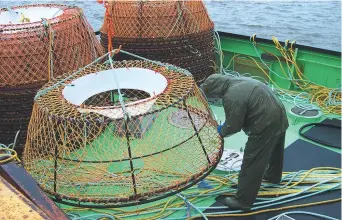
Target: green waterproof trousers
263,158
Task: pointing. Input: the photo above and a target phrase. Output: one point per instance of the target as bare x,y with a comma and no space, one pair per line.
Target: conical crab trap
178,32
38,43
121,133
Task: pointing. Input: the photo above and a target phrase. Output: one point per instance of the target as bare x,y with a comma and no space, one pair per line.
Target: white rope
126,115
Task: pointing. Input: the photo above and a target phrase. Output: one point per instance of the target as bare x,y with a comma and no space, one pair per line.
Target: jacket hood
216,85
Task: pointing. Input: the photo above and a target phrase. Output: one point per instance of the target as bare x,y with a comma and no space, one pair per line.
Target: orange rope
118,50
110,27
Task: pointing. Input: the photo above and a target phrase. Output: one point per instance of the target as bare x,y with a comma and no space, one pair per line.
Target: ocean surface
312,23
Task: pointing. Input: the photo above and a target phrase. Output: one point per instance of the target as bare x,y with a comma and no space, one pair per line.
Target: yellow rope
311,170
24,19
271,210
319,94
318,173
12,155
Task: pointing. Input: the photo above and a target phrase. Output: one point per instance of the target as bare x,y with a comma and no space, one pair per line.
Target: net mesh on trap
176,32
37,43
97,149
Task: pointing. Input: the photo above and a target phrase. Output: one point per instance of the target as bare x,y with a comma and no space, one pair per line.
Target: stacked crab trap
176,32
121,133
38,43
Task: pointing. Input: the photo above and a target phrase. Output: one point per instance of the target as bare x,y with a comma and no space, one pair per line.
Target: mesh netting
38,42
176,32
89,147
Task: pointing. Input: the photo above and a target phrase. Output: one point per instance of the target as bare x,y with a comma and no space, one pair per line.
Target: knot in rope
24,19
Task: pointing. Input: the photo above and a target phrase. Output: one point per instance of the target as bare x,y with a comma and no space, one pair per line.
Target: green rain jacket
249,105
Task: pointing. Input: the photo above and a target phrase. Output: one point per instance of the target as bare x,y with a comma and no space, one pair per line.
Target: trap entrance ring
90,159
29,15
138,79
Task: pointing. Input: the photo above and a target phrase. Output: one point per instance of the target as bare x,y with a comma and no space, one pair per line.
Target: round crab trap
38,43
176,32
108,135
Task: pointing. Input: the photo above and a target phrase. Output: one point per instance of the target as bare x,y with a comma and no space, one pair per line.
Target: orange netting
176,32
38,42
83,149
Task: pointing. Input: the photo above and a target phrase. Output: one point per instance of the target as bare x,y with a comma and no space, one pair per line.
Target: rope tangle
7,153
312,96
293,187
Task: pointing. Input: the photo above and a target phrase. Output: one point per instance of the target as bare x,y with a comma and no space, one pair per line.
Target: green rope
323,184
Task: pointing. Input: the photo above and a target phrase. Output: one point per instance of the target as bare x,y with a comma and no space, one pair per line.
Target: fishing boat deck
235,142
240,55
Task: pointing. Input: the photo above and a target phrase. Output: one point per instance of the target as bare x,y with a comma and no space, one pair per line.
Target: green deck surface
324,69
292,133
239,140
236,142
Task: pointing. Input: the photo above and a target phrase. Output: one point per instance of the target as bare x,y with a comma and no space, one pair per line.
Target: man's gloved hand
219,129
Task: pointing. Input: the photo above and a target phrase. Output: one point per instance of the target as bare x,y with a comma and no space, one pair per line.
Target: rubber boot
234,204
271,180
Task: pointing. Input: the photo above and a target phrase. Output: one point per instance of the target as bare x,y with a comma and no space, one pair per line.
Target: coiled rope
7,152
312,97
293,187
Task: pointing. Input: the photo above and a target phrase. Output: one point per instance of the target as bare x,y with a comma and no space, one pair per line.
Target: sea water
312,23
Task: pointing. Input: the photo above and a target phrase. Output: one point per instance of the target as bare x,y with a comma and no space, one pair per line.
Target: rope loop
7,153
